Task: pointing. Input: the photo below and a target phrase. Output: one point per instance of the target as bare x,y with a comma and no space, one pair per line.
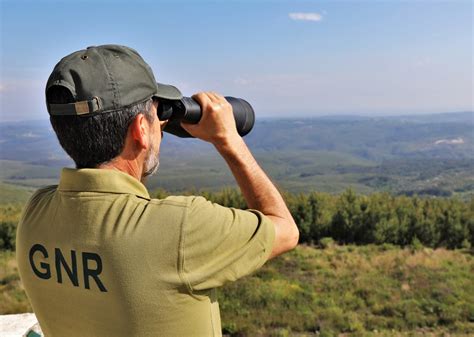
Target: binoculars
187,110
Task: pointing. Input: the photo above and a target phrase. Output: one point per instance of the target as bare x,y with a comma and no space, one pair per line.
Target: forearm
259,192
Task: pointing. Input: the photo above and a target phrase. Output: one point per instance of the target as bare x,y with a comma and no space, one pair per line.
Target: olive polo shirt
98,257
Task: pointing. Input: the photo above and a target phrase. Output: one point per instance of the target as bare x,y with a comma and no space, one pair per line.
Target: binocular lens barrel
187,110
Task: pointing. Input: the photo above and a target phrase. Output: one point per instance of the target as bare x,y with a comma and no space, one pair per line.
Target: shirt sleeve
221,244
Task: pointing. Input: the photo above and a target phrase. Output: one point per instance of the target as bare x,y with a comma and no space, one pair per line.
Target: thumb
188,127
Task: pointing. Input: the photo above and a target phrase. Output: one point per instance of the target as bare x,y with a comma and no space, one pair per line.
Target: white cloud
306,16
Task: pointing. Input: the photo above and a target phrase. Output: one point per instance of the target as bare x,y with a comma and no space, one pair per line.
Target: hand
217,123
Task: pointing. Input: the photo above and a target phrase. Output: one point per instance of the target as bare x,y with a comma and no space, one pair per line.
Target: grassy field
334,291
12,296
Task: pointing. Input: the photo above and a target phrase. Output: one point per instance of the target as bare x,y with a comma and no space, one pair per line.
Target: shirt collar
100,180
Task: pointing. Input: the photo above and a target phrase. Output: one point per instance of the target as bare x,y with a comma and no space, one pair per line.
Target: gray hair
94,140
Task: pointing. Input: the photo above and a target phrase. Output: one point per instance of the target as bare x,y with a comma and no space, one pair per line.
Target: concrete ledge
21,325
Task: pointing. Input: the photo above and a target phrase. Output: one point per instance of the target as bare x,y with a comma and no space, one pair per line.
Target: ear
139,130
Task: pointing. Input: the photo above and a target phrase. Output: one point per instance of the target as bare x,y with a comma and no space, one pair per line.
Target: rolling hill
427,154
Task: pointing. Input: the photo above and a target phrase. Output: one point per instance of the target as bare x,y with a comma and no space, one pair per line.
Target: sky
287,58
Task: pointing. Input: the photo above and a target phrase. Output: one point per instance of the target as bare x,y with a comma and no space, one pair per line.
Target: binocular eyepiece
187,110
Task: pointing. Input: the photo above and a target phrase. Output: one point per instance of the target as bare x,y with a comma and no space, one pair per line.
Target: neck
130,167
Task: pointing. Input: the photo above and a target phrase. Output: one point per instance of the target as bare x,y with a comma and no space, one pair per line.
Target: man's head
102,103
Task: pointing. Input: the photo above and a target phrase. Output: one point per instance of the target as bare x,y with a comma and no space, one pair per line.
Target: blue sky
287,58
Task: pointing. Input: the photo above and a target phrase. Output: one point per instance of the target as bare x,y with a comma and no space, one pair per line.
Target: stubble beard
152,162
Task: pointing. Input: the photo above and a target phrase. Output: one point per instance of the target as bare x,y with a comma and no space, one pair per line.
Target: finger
163,124
214,99
203,99
219,101
215,103
223,102
219,97
213,96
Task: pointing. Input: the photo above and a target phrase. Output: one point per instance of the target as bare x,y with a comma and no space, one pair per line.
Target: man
97,256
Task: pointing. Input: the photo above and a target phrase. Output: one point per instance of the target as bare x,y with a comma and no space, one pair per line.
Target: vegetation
9,217
378,218
369,290
13,298
348,218
11,194
350,290
405,268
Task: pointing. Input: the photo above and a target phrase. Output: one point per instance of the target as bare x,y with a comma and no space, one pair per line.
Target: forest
347,218
350,218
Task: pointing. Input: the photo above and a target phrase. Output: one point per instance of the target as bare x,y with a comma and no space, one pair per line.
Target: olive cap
104,79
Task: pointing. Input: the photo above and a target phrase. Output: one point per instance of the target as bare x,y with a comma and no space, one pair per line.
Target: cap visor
167,91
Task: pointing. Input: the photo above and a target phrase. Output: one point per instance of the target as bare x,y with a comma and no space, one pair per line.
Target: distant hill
376,138
431,154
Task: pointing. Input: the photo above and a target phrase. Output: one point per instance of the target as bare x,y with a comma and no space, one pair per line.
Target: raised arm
217,126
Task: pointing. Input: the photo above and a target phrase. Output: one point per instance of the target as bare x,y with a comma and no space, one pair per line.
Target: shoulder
190,205
176,209
38,197
184,201
42,193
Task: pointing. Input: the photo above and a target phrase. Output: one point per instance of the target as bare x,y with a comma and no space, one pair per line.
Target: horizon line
304,116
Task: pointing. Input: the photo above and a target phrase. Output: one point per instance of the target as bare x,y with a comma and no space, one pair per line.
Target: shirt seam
212,318
181,256
181,253
167,202
103,192
149,200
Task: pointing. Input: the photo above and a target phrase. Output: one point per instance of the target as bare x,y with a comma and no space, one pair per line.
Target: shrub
326,243
7,235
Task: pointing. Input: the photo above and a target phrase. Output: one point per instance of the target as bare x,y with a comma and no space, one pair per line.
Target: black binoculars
187,110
